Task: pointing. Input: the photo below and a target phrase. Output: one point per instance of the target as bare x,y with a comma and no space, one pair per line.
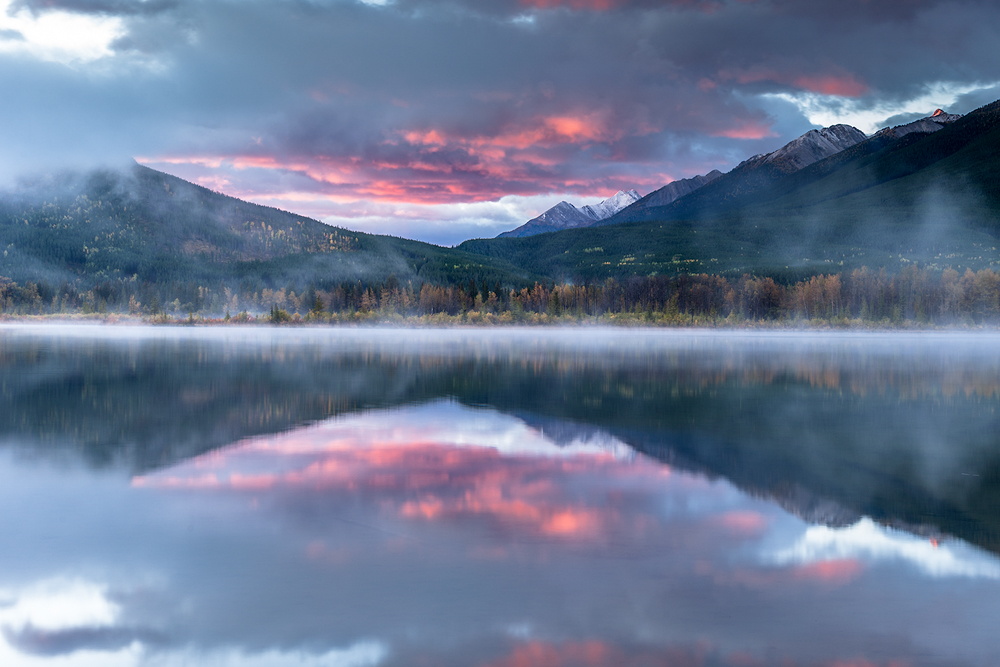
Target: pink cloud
835,81
748,129
845,85
581,151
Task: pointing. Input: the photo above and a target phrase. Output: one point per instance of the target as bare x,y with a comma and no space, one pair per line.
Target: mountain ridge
754,173
924,198
567,216
144,225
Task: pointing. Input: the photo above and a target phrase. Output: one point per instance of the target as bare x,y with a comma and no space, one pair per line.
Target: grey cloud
674,86
35,641
976,99
114,7
11,35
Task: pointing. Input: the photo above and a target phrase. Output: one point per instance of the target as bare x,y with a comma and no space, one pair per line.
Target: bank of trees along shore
913,295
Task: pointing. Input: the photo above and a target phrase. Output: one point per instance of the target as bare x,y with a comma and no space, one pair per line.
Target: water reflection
377,498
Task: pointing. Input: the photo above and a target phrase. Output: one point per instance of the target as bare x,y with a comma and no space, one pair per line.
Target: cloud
869,541
55,36
361,654
75,621
106,7
427,102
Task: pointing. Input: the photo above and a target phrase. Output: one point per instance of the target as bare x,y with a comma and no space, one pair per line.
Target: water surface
497,498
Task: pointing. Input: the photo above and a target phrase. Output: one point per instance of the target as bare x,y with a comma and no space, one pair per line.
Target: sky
443,120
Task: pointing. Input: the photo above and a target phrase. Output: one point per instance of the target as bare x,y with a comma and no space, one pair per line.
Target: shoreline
475,320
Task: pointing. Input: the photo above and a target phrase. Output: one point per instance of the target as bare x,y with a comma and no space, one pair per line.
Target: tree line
914,294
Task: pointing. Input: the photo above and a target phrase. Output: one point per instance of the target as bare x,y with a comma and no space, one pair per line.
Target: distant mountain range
752,174
807,149
762,172
923,193
566,216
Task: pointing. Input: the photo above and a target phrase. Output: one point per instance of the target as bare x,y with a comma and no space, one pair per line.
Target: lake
497,498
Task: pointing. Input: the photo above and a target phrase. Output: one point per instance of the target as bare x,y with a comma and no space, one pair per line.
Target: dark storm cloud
451,101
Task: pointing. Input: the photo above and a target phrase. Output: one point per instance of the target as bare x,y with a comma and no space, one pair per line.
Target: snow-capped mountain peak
566,216
611,205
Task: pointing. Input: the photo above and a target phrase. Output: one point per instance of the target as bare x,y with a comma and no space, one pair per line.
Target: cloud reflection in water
445,535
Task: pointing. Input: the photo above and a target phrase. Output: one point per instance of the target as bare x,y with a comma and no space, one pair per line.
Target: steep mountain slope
932,123
890,201
750,176
566,216
611,205
676,189
145,225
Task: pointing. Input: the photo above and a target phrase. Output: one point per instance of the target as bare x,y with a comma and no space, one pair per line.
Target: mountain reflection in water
317,497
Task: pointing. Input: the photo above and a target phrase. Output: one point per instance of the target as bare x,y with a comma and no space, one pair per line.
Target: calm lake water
335,498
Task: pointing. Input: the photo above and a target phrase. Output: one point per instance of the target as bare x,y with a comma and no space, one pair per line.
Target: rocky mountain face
716,190
677,189
811,147
566,216
932,123
611,205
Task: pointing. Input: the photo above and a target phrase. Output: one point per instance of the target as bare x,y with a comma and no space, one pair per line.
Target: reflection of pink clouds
570,522
207,481
743,522
318,551
253,482
830,572
834,571
432,482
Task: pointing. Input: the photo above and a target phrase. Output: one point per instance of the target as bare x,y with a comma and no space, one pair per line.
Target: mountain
138,224
932,123
611,205
566,216
815,145
925,196
922,193
677,189
751,175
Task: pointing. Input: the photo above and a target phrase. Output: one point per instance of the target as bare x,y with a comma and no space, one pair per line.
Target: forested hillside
109,237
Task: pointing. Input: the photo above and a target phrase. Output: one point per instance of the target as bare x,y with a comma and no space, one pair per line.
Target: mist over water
265,496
